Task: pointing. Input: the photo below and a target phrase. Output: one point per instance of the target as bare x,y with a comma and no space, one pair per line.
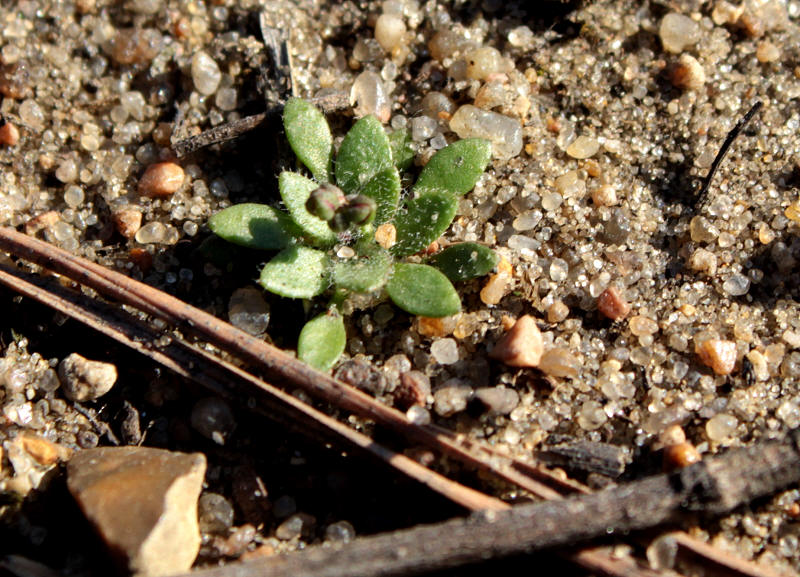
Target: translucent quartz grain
677,32
247,310
368,95
504,132
736,285
721,427
389,31
583,147
445,351
206,74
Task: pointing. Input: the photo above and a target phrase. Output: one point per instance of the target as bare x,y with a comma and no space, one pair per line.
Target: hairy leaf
424,220
402,151
422,290
309,136
365,272
455,168
295,190
384,189
297,272
322,341
465,260
255,226
364,152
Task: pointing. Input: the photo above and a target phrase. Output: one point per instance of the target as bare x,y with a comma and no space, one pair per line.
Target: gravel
603,125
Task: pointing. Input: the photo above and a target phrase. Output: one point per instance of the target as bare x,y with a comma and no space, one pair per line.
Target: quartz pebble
721,427
605,195
451,397
143,504
368,96
583,147
248,311
214,513
389,31
161,179
445,351
688,73
299,525
485,61
206,74
521,346
340,532
497,400
414,388
557,312
559,362
719,355
504,132
612,304
85,380
127,221
736,285
677,32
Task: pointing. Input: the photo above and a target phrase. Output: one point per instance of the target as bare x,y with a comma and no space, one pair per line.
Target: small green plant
327,239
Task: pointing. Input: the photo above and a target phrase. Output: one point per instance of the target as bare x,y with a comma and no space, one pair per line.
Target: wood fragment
711,487
585,456
715,561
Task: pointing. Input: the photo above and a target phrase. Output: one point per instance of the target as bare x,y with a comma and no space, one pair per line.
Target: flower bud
338,223
359,210
324,201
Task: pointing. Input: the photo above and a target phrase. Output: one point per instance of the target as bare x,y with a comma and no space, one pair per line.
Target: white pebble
504,132
422,128
445,351
368,96
583,147
677,32
205,74
737,285
389,31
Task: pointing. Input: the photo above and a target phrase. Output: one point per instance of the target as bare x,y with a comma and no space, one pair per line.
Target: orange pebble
9,134
161,179
612,304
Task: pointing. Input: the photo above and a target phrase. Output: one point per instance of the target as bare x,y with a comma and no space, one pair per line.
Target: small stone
9,134
436,326
641,325
672,435
43,451
386,235
591,416
41,222
368,96
717,354
248,311
451,397
143,504
726,13
605,195
214,513
498,400
792,212
703,260
85,380
612,304
362,375
680,455
299,525
414,389
484,62
736,285
504,132
496,287
418,415
340,532
445,351
422,128
721,427
161,179
557,312
688,73
767,52
701,230
583,147
127,221
559,362
206,74
136,45
213,418
521,346
677,32
520,37
389,31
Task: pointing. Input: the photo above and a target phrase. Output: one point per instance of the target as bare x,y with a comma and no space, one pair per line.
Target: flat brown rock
143,503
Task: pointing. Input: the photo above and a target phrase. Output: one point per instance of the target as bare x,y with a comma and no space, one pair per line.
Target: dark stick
711,487
732,135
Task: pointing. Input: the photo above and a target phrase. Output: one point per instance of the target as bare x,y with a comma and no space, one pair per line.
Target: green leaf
295,190
465,260
364,152
424,220
455,168
255,226
384,189
422,290
309,136
297,272
365,272
402,151
322,341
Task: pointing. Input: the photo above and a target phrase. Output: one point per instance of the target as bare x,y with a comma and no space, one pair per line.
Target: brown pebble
688,73
135,45
161,179
14,80
386,235
680,456
9,134
612,304
414,389
127,221
436,326
43,451
559,362
557,312
141,258
85,380
521,346
793,510
717,354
